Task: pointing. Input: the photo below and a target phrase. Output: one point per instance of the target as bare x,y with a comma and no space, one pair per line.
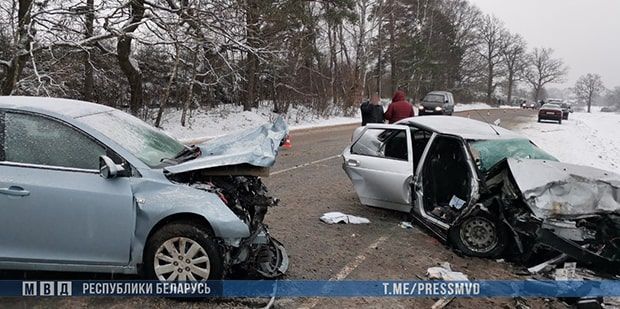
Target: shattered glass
490,152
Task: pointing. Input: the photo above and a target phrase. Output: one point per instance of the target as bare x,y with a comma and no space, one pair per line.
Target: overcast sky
584,33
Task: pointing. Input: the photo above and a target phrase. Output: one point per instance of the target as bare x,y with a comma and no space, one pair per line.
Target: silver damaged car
88,188
487,191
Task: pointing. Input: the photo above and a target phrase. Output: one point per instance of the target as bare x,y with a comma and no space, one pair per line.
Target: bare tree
543,69
588,87
492,37
514,56
123,49
23,49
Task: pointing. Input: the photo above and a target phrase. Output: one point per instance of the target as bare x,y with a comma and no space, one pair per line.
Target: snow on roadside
461,107
230,118
585,139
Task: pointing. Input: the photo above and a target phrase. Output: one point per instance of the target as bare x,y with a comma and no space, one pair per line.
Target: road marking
349,268
304,165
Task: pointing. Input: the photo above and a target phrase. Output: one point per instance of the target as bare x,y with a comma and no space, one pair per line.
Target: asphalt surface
310,181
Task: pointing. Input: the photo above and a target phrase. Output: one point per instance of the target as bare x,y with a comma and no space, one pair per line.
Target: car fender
157,201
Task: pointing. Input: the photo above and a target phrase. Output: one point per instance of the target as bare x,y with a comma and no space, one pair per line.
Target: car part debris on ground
338,217
406,225
444,272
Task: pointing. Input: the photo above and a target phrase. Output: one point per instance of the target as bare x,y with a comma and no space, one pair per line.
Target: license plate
550,113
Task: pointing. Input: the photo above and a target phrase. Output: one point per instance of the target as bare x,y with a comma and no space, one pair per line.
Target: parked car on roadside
437,103
485,190
566,109
88,188
551,111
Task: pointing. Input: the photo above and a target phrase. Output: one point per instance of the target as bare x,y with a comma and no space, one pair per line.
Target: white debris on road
444,272
406,225
338,217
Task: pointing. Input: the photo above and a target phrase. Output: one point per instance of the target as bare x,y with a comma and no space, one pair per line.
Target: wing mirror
108,169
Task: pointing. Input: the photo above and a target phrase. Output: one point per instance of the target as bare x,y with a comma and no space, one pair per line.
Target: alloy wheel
181,259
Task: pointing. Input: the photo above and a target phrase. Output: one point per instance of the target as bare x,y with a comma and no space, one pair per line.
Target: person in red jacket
399,109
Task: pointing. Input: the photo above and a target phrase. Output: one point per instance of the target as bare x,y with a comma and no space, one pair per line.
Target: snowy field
586,139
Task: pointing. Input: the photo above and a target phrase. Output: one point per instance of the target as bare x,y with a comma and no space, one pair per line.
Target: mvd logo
46,288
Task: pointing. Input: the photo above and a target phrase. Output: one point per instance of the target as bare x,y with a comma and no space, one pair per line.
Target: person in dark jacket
372,111
399,109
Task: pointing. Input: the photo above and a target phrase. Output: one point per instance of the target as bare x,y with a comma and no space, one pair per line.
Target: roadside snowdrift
585,139
230,118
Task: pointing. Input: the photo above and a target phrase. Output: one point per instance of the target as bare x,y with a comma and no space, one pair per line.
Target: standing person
399,109
372,112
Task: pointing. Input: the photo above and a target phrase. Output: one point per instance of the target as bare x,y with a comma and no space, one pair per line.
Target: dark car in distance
550,112
566,109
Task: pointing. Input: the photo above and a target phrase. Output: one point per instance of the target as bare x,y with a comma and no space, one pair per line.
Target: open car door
379,164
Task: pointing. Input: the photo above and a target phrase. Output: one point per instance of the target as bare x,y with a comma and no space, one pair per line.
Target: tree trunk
393,75
164,100
128,66
510,85
252,17
87,92
15,68
190,92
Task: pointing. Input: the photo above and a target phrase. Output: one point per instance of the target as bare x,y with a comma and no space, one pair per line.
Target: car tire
560,121
206,260
539,120
465,236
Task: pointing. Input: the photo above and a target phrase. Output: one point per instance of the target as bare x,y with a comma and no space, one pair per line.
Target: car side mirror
446,101
108,169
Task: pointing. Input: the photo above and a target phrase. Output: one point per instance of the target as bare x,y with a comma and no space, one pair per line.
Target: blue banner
308,288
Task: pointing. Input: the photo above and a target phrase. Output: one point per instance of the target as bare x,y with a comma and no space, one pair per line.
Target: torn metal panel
555,190
257,147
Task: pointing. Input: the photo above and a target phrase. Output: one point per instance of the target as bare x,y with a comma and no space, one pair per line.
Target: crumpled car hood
257,147
561,190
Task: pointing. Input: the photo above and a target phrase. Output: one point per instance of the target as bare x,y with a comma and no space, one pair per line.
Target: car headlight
421,107
438,108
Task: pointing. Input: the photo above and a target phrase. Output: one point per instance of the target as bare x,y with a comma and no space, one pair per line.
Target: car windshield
147,143
551,106
435,98
490,152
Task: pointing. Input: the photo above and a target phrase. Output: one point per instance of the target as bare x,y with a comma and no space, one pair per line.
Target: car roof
460,126
439,92
66,107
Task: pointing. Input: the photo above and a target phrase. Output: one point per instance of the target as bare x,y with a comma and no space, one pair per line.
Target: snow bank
586,139
229,118
461,107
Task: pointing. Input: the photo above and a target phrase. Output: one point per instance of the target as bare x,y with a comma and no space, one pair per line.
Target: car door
54,206
379,163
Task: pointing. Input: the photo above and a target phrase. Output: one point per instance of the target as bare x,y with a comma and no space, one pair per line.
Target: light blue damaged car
88,188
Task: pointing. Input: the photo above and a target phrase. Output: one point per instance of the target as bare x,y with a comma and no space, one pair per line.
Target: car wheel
479,236
539,120
560,121
181,251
